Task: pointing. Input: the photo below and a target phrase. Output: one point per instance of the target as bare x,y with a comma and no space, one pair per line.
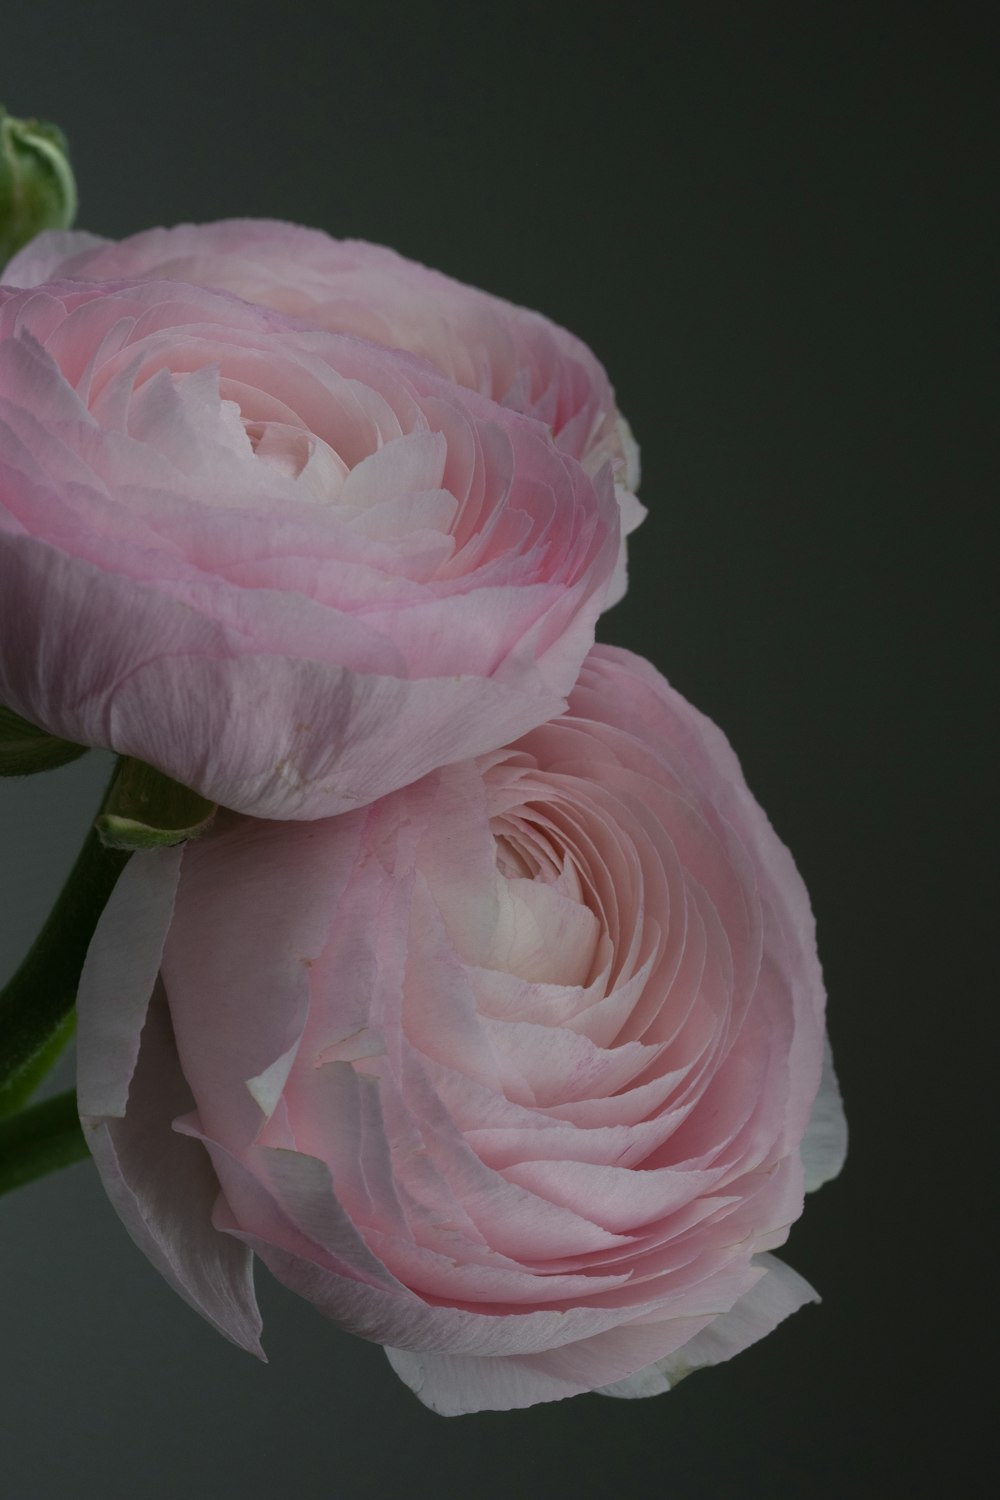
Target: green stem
15,1094
39,997
40,1139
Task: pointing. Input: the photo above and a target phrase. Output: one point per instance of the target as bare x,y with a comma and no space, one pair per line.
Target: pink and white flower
290,568
517,357
518,1072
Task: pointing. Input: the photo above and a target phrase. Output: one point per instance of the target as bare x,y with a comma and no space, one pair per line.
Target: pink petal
758,1312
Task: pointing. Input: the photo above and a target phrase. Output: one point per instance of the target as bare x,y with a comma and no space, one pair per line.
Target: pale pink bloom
518,1072
516,357
291,568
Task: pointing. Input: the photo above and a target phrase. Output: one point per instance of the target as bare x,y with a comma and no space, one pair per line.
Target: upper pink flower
511,354
519,1071
291,568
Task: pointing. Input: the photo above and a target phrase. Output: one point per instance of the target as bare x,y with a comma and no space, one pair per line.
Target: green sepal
25,749
147,810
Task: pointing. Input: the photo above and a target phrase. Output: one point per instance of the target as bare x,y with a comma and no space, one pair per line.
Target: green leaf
25,749
147,810
39,1140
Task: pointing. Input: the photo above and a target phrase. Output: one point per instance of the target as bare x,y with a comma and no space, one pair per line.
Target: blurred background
769,222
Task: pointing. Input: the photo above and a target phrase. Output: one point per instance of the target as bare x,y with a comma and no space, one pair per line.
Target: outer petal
44,257
455,1384
246,931
633,513
758,1312
161,1183
118,978
824,1145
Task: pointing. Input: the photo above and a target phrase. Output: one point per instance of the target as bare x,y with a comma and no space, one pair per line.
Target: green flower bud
37,188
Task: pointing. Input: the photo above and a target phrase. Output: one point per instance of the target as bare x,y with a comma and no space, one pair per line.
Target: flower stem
37,1000
15,1094
39,1140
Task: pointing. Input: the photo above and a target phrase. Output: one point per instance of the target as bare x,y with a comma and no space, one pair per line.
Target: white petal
824,1145
118,977
780,1292
163,1187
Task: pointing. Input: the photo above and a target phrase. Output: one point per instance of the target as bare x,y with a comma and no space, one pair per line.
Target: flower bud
37,188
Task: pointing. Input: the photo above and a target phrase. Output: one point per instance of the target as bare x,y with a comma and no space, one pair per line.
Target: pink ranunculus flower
518,1072
509,353
290,568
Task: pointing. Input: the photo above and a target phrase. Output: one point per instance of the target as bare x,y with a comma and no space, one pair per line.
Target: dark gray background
767,220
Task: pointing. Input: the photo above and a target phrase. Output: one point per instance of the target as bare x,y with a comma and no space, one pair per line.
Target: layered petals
289,568
518,1071
516,357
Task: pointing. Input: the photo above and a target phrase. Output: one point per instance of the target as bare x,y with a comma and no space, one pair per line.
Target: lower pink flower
518,1072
